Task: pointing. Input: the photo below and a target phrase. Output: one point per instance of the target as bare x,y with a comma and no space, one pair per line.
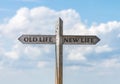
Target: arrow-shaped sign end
21,39
96,40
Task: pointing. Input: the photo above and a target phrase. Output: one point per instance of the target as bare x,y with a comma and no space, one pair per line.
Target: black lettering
26,39
35,39
30,39
75,39
66,40
40,39
70,39
92,40
87,40
44,39
83,40
50,39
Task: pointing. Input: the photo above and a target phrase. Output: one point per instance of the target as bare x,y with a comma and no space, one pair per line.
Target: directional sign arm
37,39
83,40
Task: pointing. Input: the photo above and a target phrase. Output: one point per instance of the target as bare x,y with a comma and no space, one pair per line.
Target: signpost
59,39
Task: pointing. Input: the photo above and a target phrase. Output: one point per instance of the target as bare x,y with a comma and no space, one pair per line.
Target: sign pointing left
37,39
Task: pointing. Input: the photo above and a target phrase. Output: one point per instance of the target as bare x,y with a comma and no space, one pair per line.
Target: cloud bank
42,20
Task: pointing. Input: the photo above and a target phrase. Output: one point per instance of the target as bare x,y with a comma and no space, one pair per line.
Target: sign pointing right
83,40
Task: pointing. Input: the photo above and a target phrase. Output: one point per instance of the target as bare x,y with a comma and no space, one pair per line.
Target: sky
83,64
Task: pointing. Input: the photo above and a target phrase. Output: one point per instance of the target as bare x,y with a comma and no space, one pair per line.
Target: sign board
80,40
66,39
37,39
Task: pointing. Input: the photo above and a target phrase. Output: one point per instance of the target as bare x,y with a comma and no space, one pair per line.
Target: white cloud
104,48
1,65
104,28
111,63
42,64
76,56
74,67
42,20
78,53
107,67
1,51
32,51
12,55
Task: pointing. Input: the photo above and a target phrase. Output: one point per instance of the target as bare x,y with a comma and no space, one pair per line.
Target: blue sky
92,10
34,64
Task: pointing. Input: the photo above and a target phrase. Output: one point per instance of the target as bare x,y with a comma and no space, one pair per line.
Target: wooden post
59,52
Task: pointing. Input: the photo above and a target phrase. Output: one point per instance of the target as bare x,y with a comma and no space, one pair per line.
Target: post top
60,20
59,27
